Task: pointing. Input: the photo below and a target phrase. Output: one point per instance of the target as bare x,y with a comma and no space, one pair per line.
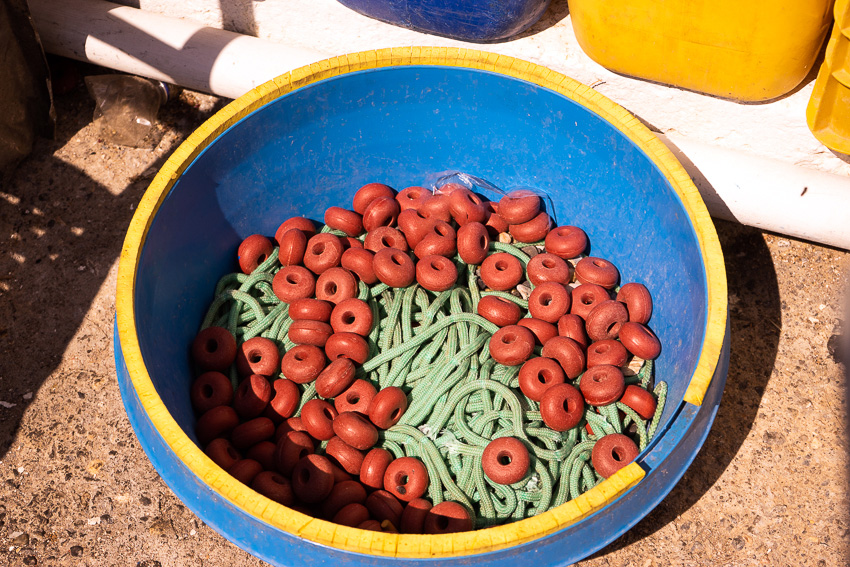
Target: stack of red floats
412,236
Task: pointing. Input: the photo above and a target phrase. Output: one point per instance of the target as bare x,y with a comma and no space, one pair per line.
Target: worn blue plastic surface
468,20
314,147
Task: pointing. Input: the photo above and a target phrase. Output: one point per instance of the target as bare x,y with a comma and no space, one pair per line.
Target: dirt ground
770,485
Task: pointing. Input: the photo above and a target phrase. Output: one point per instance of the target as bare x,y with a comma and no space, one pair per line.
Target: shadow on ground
755,318
62,232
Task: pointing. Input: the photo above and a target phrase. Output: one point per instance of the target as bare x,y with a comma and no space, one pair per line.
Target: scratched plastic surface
468,20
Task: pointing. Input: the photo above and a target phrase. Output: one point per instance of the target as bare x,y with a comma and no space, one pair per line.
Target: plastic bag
126,108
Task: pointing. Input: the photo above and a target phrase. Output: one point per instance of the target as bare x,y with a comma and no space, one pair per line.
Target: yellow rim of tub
386,544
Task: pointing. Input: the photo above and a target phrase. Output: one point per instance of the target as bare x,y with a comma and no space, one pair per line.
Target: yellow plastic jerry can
747,50
828,114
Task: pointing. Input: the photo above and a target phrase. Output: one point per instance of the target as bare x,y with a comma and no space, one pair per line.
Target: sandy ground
770,486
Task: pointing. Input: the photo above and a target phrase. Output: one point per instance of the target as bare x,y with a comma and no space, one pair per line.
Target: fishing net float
466,409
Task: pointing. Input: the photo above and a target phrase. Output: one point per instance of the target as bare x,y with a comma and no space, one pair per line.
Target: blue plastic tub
467,20
307,141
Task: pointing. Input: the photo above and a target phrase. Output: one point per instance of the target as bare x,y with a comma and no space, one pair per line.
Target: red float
499,311
293,282
302,363
501,271
387,407
394,268
385,237
568,353
344,220
214,348
252,396
303,224
406,478
602,385
258,355
590,270
640,341
310,308
347,345
318,417
538,375
324,252
368,193
356,398
566,242
359,262
473,242
548,268
613,452
335,378
511,345
605,320
534,230
638,302
436,273
355,430
505,460
253,251
352,316
562,407
519,206
307,332
312,479
293,244
446,518
549,301
209,390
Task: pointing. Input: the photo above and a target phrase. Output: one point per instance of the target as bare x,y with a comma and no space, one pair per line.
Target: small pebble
19,539
28,396
634,366
530,251
524,291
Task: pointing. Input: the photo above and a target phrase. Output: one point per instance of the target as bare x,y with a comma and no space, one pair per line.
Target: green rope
435,347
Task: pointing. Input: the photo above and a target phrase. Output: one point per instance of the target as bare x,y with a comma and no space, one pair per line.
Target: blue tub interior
315,147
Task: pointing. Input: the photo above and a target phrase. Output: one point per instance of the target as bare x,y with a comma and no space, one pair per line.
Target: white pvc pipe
173,50
767,193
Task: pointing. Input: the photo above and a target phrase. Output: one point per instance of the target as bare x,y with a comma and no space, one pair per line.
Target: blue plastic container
467,20
308,140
